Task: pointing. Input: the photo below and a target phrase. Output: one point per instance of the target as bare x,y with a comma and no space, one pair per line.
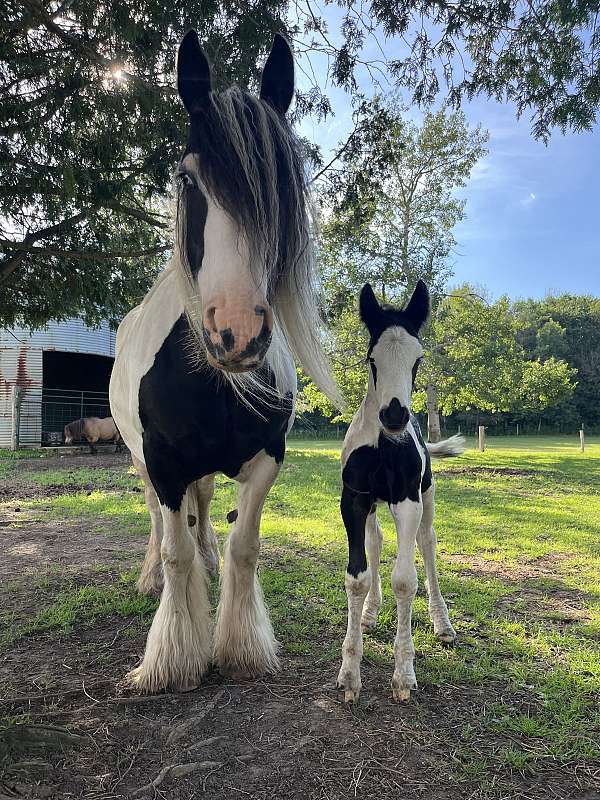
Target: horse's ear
418,306
193,74
277,82
369,307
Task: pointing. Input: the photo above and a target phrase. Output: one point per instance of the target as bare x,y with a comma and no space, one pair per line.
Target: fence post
482,438
16,415
517,428
582,438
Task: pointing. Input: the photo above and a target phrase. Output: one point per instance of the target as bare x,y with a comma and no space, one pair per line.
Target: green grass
519,544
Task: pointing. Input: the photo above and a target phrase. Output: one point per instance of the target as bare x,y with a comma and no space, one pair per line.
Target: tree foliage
543,55
390,206
566,327
90,130
476,362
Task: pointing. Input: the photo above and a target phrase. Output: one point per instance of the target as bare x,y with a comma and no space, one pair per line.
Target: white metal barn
62,372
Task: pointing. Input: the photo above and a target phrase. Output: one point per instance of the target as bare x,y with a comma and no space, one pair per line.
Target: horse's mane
76,428
251,163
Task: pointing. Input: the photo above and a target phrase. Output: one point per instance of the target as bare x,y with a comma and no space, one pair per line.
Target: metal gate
44,413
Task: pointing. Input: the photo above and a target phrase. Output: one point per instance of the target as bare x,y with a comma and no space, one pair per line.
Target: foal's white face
394,353
393,362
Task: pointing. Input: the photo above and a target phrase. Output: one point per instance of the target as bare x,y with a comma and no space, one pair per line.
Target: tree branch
82,255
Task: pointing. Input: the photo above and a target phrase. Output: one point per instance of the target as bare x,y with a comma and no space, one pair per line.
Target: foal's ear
369,307
277,82
418,306
193,74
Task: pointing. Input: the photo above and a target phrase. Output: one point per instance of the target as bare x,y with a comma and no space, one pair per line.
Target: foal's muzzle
394,417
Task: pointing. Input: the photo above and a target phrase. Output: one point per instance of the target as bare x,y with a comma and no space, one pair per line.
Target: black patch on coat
192,210
355,509
415,369
194,425
373,366
391,471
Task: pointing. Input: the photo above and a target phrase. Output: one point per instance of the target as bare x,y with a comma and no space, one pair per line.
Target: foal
384,459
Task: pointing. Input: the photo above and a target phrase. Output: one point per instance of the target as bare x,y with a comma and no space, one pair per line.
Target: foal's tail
454,446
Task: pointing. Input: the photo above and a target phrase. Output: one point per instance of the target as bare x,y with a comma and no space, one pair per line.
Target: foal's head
242,222
394,352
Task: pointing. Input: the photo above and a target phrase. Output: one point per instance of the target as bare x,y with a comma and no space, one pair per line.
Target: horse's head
394,353
241,216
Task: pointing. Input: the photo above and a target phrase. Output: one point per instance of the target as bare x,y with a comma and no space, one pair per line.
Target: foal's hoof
446,635
350,683
402,685
368,621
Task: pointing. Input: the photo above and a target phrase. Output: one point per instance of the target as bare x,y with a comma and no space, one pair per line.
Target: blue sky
533,211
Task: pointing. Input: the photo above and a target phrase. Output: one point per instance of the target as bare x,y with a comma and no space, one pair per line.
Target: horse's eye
185,179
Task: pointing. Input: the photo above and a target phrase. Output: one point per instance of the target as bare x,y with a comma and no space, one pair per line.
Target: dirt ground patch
288,737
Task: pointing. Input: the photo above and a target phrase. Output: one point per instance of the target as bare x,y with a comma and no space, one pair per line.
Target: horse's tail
454,446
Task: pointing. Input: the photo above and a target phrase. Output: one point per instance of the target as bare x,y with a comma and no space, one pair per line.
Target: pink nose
237,335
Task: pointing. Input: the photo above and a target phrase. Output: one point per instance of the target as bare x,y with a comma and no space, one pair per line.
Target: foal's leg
199,496
244,640
151,576
438,611
374,540
407,517
178,647
355,509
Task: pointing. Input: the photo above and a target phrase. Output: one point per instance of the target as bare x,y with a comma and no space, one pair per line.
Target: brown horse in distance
93,430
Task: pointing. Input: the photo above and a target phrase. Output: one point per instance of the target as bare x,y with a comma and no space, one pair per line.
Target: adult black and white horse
384,459
204,378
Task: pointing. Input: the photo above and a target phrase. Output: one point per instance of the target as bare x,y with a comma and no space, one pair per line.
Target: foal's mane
250,161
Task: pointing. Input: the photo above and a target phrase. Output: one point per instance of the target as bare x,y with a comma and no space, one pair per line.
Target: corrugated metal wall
21,359
70,336
21,366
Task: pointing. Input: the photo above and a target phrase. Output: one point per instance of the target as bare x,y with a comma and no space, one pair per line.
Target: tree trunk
434,432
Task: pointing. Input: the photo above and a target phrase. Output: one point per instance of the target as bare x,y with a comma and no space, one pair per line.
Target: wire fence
42,417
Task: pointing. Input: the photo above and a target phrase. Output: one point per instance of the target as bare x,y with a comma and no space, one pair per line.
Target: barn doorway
74,385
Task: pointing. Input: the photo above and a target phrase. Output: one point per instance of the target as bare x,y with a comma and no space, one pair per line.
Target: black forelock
390,317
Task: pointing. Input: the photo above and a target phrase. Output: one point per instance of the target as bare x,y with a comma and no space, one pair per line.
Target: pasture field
510,712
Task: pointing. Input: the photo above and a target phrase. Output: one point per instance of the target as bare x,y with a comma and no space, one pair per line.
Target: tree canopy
90,129
90,125
543,56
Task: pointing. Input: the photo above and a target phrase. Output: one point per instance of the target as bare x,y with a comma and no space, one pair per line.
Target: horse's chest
391,471
194,425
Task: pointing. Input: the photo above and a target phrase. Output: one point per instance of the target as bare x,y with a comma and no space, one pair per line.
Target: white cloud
528,200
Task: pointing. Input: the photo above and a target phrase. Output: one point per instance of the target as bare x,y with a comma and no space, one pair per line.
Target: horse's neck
365,428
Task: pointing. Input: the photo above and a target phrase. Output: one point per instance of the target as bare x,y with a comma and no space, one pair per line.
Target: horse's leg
199,496
374,540
178,647
355,510
426,539
244,640
407,517
151,575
